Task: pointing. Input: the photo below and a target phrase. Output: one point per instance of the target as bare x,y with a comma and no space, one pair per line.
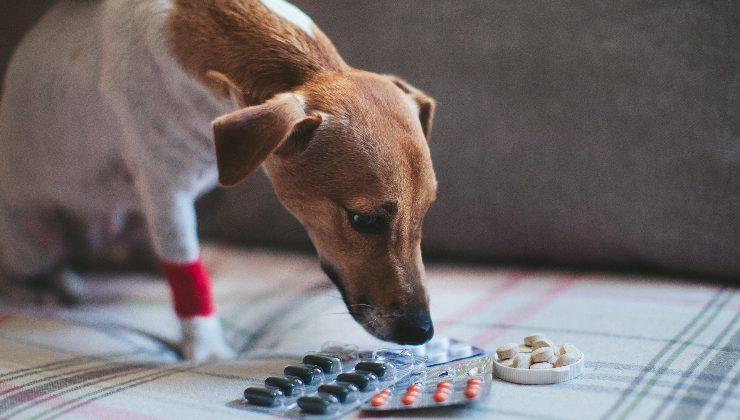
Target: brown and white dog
139,106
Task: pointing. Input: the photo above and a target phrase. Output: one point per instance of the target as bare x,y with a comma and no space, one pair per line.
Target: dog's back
100,93
108,109
265,46
81,80
51,106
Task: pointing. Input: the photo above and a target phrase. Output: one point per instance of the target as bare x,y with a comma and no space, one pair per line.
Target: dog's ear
425,103
245,138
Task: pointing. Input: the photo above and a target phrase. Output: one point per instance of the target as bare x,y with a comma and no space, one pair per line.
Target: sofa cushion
651,347
585,134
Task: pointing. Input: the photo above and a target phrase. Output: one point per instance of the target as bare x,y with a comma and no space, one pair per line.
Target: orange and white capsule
415,386
378,401
408,399
444,385
474,381
471,392
439,396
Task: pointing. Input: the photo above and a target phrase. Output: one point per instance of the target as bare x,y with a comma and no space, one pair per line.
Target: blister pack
442,350
331,382
451,384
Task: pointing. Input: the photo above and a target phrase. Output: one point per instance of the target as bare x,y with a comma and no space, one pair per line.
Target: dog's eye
368,223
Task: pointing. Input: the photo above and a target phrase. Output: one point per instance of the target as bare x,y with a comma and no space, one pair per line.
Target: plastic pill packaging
330,382
537,360
457,383
339,378
442,349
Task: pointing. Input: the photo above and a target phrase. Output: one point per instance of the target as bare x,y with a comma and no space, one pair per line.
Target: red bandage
191,288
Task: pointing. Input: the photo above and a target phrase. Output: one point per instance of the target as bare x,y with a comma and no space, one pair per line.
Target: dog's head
347,155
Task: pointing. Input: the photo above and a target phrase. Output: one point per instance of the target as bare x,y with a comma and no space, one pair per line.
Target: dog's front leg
170,214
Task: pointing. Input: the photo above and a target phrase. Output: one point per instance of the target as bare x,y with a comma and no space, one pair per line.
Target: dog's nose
417,329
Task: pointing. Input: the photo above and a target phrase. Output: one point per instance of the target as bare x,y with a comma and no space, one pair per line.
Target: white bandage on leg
203,339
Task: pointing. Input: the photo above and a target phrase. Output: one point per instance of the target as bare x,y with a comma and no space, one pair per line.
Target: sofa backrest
593,134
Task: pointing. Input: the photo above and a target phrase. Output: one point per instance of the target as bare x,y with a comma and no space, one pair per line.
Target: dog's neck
262,52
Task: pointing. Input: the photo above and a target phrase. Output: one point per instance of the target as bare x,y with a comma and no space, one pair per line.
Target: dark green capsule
359,379
379,369
341,391
314,405
286,385
262,396
325,363
307,374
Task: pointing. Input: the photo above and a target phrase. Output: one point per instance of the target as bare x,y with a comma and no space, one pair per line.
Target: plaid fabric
654,349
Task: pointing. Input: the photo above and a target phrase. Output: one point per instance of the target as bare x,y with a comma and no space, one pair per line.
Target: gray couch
579,133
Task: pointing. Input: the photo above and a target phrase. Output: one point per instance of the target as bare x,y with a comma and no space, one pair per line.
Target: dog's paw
69,287
203,340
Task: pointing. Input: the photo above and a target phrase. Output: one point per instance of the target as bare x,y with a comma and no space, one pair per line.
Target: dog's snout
415,328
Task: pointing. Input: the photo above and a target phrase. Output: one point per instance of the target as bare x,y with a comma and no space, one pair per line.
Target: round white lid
538,376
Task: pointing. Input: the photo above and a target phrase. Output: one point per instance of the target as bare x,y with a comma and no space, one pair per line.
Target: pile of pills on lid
537,352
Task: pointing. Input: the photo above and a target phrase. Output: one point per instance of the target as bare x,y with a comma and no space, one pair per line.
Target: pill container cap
538,376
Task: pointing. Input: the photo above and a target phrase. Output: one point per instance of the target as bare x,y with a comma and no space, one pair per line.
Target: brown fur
378,163
245,138
345,140
256,49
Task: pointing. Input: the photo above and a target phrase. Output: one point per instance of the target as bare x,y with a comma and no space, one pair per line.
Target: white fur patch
290,13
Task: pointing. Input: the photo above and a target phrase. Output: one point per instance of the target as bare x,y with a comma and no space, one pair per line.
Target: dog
119,107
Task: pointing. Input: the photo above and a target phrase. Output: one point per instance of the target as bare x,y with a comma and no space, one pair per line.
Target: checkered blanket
654,348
